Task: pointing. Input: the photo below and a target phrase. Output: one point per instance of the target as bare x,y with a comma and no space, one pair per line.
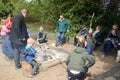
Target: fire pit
50,56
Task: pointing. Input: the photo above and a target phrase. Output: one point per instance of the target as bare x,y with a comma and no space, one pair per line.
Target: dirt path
8,72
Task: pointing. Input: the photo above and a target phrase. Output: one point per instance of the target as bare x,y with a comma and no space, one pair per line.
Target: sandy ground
58,72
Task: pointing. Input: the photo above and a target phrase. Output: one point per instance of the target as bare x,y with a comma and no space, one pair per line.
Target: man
19,36
111,40
62,27
78,63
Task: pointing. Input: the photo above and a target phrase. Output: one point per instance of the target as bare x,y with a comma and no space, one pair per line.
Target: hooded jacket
79,59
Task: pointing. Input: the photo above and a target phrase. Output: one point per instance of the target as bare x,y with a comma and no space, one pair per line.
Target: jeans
60,37
18,49
35,66
107,47
89,49
78,76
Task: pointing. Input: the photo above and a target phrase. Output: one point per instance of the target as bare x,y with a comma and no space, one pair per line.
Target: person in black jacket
19,36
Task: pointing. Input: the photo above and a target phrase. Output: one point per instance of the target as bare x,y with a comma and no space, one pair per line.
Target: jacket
19,31
4,31
28,54
79,59
62,26
41,36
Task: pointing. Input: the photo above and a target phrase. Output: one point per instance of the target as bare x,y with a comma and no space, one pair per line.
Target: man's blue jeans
17,54
59,38
107,47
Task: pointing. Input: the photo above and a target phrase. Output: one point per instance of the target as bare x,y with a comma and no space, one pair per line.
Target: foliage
77,12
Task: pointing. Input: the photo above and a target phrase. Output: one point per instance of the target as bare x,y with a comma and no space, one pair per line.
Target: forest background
77,12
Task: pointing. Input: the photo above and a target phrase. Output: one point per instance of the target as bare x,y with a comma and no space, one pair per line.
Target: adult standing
62,27
19,36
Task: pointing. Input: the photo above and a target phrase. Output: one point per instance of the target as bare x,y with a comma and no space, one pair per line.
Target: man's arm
68,59
91,61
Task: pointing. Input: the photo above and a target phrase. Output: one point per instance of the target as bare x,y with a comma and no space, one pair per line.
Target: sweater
79,59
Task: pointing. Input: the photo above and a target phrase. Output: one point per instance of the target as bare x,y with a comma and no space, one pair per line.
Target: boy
29,56
41,38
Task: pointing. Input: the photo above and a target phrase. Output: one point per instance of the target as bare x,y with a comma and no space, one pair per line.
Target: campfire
50,56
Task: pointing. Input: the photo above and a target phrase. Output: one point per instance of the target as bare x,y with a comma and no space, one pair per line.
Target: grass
34,27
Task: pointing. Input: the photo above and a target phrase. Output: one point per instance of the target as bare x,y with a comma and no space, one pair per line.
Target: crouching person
28,55
7,48
78,63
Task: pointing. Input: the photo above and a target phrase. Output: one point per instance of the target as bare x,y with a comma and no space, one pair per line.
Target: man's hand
55,30
67,30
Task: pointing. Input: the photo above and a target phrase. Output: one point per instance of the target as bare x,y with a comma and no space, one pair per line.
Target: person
7,48
62,27
87,43
98,36
8,22
42,37
110,41
83,31
28,55
90,43
78,63
19,36
4,31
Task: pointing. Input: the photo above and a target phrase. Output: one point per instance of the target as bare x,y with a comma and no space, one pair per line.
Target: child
90,44
112,36
41,38
4,31
29,56
98,36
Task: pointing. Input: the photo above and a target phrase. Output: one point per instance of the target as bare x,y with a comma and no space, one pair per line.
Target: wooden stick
92,20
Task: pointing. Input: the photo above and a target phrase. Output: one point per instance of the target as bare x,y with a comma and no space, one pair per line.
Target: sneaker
103,56
31,76
16,68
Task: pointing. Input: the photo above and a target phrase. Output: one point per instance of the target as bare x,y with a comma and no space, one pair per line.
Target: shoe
56,45
16,68
31,76
103,56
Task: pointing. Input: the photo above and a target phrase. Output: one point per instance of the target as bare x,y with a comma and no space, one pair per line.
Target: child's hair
98,27
2,22
113,31
82,38
41,28
31,41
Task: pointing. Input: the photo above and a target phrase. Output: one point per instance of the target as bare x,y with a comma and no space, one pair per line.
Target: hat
83,26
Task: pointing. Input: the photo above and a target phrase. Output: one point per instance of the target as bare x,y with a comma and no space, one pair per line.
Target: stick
92,20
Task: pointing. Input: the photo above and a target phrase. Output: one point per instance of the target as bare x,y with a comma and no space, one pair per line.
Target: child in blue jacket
28,55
